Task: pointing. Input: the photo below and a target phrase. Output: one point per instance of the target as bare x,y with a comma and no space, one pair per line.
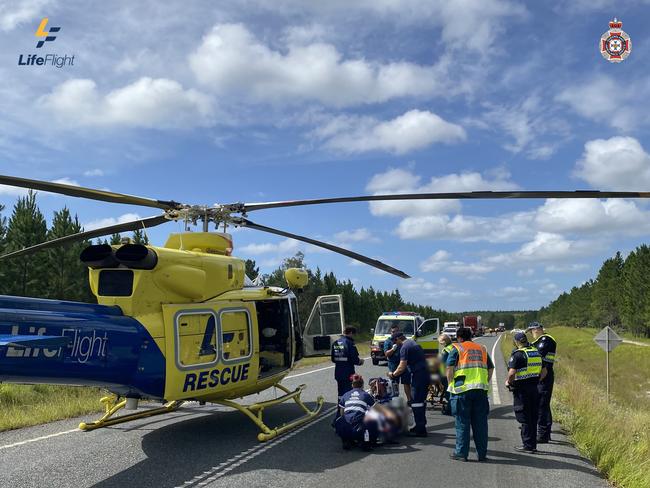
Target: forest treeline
619,296
54,273
58,274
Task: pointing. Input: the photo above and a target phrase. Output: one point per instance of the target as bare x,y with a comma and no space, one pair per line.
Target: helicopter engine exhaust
98,256
136,256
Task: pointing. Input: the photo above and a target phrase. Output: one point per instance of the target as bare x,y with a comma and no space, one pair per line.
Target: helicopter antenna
144,229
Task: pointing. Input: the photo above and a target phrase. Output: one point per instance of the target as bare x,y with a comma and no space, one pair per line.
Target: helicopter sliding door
324,325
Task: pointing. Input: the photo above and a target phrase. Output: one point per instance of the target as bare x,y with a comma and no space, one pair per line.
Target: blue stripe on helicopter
102,347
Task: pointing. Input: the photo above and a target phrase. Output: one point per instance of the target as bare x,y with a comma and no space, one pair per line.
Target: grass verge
614,435
25,405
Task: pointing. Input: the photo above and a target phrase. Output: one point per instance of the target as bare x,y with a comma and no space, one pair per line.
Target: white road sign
607,339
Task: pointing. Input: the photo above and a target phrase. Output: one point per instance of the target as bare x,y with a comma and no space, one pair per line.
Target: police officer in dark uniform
547,347
413,362
525,369
345,357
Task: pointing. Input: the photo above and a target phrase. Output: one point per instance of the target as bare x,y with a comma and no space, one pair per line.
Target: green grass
25,405
614,435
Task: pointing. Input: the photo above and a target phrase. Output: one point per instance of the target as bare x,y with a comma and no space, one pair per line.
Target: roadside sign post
607,339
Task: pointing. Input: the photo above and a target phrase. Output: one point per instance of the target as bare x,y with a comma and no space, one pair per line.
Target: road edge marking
57,434
496,396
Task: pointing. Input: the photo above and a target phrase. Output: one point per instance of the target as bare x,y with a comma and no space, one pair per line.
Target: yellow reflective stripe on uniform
474,372
550,356
533,368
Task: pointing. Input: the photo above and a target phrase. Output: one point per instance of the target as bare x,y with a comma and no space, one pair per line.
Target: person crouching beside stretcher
352,426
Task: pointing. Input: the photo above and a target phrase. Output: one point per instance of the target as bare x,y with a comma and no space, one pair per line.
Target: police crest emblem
615,44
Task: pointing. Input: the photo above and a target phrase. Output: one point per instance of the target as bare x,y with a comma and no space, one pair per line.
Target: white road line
234,462
16,444
496,397
36,439
314,371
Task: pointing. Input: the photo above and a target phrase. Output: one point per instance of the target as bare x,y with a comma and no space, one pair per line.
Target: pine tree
67,277
252,270
606,296
25,276
140,237
115,240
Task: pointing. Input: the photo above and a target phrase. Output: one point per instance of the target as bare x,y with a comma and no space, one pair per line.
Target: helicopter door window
274,323
197,339
236,335
330,316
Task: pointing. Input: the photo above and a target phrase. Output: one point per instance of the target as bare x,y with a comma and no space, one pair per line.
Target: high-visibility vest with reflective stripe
443,366
473,365
550,356
533,368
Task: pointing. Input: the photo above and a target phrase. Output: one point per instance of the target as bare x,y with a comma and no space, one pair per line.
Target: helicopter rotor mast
236,213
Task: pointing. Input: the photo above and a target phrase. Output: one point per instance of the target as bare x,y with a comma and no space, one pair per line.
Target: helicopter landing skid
255,412
113,404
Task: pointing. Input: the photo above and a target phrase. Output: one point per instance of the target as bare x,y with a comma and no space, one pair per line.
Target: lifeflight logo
41,32
44,36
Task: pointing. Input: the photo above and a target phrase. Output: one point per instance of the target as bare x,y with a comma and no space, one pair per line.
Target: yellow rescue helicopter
180,322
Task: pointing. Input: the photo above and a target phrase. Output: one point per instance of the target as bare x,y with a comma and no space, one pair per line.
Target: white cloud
464,24
411,131
96,224
547,247
13,13
592,216
526,123
595,100
281,247
436,262
94,172
147,102
510,291
566,268
524,273
422,288
356,235
618,163
440,261
232,61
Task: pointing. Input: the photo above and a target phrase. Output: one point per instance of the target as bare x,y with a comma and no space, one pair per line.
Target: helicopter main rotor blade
477,195
90,193
325,245
82,236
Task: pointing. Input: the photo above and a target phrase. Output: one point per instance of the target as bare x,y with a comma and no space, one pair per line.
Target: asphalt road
211,446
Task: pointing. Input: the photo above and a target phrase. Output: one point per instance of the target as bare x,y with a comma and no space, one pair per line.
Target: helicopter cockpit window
236,335
197,338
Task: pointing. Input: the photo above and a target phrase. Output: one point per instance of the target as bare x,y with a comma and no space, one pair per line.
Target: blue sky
259,101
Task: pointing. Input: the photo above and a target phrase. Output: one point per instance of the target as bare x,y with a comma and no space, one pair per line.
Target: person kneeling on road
351,426
413,362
